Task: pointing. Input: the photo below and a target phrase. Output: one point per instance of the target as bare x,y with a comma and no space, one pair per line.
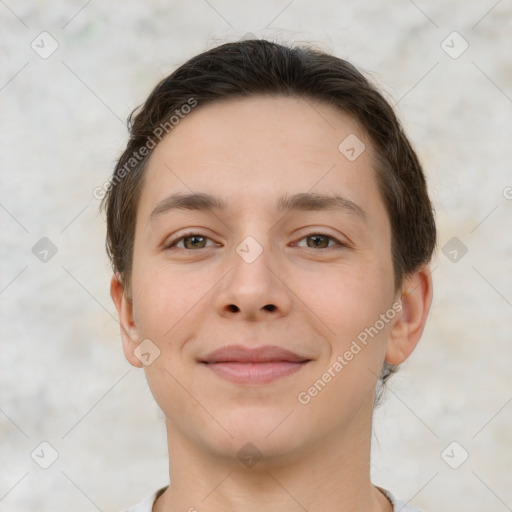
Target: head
272,133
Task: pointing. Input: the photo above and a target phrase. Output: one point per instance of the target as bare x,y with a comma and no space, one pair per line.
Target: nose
255,288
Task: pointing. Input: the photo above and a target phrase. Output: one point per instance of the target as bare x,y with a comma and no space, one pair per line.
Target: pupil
317,239
195,241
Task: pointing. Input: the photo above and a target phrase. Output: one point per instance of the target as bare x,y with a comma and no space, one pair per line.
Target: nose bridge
253,253
252,261
250,250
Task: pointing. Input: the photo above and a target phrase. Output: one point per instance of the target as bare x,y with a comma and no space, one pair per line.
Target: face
276,262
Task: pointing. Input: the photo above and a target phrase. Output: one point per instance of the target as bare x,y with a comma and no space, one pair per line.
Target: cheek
352,297
167,305
164,298
351,305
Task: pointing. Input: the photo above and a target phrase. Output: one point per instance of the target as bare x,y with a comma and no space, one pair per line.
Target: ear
124,306
408,326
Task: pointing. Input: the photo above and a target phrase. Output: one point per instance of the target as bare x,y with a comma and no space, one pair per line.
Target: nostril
268,307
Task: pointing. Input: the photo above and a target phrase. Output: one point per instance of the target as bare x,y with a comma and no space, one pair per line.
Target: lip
240,364
261,354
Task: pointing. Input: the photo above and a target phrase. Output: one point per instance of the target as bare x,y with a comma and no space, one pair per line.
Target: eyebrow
304,201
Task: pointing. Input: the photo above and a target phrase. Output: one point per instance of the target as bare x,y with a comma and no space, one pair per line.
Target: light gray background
64,379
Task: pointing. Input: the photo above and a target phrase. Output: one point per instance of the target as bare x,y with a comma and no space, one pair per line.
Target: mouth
264,364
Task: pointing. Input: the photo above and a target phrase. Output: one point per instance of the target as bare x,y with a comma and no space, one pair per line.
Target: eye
197,241
320,241
190,241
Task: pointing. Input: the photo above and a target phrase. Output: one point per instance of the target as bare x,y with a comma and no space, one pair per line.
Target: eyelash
192,234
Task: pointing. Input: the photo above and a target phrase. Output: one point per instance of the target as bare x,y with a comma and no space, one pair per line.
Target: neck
331,476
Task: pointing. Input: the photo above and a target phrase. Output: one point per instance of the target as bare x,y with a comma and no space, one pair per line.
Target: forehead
255,150
306,126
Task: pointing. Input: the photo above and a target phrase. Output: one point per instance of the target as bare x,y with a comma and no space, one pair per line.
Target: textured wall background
64,379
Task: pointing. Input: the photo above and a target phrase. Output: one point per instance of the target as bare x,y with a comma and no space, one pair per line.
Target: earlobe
408,328
129,333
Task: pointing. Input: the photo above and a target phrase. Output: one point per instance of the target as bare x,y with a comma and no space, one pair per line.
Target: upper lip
261,354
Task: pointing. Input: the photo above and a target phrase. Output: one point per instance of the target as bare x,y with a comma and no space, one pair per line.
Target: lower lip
254,372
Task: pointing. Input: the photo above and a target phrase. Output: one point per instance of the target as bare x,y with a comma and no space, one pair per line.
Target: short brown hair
258,67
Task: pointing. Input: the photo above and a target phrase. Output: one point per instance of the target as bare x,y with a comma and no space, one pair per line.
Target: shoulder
147,504
398,506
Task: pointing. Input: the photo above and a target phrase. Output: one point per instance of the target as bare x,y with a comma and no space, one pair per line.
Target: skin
314,456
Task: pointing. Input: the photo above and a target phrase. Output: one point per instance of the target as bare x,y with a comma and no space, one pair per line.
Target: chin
270,434
257,452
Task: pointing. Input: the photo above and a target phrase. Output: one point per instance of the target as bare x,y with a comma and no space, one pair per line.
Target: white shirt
147,504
